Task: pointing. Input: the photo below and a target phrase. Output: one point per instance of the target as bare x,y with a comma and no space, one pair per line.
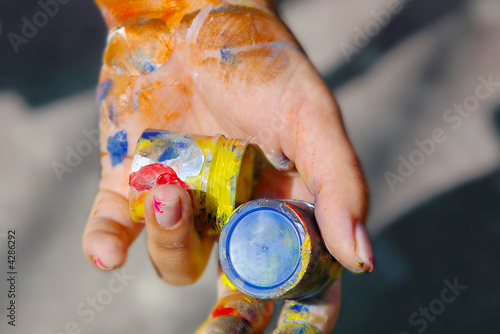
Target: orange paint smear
239,26
139,48
123,12
251,41
144,36
171,117
152,102
161,102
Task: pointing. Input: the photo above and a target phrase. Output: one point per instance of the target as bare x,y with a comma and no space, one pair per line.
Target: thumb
179,253
325,159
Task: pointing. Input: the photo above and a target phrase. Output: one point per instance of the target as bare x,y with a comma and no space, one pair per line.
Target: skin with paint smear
169,73
233,68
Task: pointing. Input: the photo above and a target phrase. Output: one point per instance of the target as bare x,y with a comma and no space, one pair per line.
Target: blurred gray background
441,223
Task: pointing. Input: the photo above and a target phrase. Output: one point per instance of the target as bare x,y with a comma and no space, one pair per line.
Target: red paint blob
154,175
223,311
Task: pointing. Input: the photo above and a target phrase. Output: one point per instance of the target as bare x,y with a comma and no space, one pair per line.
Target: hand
212,68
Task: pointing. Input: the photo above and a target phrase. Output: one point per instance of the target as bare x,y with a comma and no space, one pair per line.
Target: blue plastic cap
260,250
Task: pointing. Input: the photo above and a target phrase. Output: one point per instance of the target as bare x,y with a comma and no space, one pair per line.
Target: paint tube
267,248
216,171
274,249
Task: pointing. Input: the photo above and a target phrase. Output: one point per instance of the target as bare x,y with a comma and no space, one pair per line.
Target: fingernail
167,213
100,265
363,248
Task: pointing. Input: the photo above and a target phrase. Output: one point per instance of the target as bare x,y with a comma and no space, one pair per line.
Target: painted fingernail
167,213
100,265
363,248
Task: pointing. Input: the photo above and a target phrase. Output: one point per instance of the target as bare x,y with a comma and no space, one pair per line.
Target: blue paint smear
182,145
168,154
227,55
298,308
117,147
111,114
280,45
225,8
151,134
104,89
149,67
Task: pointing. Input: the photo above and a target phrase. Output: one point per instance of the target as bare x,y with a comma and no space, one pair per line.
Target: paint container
216,171
273,249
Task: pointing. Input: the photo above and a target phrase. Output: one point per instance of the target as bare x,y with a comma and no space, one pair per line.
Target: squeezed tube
216,171
273,249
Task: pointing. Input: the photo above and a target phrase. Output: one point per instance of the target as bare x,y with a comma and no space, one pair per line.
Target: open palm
236,70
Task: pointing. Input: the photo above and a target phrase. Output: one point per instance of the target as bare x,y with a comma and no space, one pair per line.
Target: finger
110,230
323,155
235,312
313,315
179,253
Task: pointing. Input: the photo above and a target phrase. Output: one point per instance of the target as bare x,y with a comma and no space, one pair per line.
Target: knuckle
169,245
